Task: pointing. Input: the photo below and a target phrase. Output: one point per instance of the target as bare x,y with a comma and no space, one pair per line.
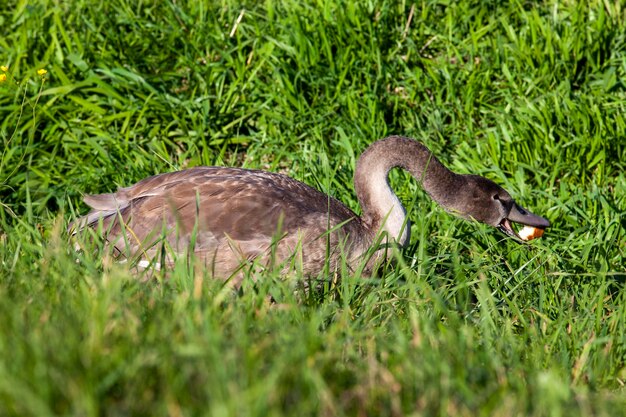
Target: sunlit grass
466,323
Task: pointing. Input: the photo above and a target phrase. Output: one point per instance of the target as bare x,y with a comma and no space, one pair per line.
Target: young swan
231,216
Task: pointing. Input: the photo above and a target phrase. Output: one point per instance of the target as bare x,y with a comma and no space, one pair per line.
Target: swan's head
485,201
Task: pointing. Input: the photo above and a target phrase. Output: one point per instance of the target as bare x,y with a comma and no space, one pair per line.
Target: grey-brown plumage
230,216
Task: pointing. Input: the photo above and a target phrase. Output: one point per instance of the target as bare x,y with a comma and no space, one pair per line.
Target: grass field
529,94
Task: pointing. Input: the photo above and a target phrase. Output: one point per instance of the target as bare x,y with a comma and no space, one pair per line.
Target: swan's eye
496,197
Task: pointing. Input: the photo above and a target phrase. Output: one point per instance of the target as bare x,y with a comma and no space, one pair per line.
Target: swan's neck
382,210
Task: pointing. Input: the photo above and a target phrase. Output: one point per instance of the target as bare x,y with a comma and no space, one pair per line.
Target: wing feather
226,206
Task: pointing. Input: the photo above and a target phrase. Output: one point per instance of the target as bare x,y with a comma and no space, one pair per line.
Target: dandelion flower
3,78
4,68
42,72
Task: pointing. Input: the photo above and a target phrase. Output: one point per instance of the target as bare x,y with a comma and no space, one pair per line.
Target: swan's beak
521,216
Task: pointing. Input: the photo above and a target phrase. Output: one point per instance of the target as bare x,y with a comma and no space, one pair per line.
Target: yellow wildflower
4,68
3,78
42,72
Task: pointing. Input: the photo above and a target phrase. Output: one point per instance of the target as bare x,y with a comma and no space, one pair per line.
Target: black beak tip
537,221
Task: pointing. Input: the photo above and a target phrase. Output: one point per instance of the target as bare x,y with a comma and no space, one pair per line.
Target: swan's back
232,215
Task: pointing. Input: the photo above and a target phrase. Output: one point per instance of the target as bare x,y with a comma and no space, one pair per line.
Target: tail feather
103,206
89,220
109,201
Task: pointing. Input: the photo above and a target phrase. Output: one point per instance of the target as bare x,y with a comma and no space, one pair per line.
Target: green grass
529,94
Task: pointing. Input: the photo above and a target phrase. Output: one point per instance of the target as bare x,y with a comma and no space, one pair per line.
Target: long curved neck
382,210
